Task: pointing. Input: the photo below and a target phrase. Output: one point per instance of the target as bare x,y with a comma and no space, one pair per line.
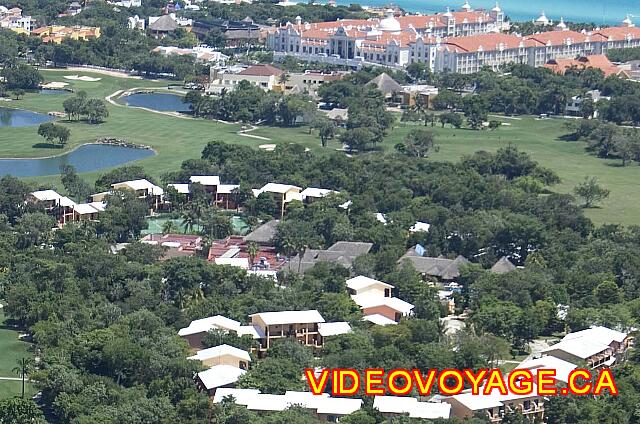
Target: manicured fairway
568,159
11,350
178,138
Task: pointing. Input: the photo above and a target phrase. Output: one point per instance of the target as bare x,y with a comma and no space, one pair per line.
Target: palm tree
23,366
189,220
169,227
252,250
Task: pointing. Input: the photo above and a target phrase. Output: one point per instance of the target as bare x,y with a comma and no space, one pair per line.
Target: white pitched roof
46,195
205,324
581,348
411,406
430,410
495,399
84,208
380,217
327,329
360,282
205,180
65,201
252,330
378,319
290,317
598,334
394,404
220,375
141,184
227,188
180,188
218,351
99,206
420,226
339,406
278,188
323,404
563,368
368,300
316,192
241,396
264,402
239,262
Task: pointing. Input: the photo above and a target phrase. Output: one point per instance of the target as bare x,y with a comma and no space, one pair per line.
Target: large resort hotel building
462,41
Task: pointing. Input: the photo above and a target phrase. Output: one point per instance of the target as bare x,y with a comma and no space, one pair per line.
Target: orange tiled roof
602,62
474,43
619,33
558,38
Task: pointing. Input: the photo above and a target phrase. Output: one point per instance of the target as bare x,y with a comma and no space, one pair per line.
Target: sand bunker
267,147
82,78
54,85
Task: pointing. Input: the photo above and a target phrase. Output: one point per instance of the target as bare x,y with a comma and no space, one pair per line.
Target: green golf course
176,138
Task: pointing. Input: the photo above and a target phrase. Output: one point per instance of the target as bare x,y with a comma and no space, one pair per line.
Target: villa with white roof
301,325
223,355
66,210
495,405
390,406
326,408
218,376
597,346
311,194
197,329
375,300
282,193
144,189
307,327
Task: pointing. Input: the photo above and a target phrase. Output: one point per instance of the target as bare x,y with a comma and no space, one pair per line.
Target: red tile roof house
176,244
235,247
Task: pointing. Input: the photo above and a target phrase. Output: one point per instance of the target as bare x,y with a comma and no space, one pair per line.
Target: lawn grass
176,139
569,159
9,388
11,350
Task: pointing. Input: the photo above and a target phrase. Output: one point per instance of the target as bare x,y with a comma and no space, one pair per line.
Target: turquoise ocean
600,12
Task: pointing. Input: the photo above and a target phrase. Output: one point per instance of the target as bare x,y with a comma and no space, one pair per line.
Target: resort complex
462,42
250,212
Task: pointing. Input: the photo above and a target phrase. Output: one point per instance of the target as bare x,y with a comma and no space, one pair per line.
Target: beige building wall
232,360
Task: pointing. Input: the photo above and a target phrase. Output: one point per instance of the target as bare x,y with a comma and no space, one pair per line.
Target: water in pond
163,102
90,157
21,118
54,91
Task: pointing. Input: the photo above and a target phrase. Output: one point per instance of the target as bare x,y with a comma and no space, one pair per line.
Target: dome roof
466,6
543,19
389,23
561,24
627,21
497,8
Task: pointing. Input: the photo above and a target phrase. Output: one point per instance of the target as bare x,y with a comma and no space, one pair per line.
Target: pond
21,118
54,91
163,102
86,158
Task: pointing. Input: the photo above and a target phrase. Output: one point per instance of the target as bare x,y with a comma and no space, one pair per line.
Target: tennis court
238,224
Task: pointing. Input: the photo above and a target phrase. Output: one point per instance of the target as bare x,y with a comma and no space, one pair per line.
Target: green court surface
240,227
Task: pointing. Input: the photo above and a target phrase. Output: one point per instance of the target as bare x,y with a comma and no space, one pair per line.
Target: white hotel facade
463,41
